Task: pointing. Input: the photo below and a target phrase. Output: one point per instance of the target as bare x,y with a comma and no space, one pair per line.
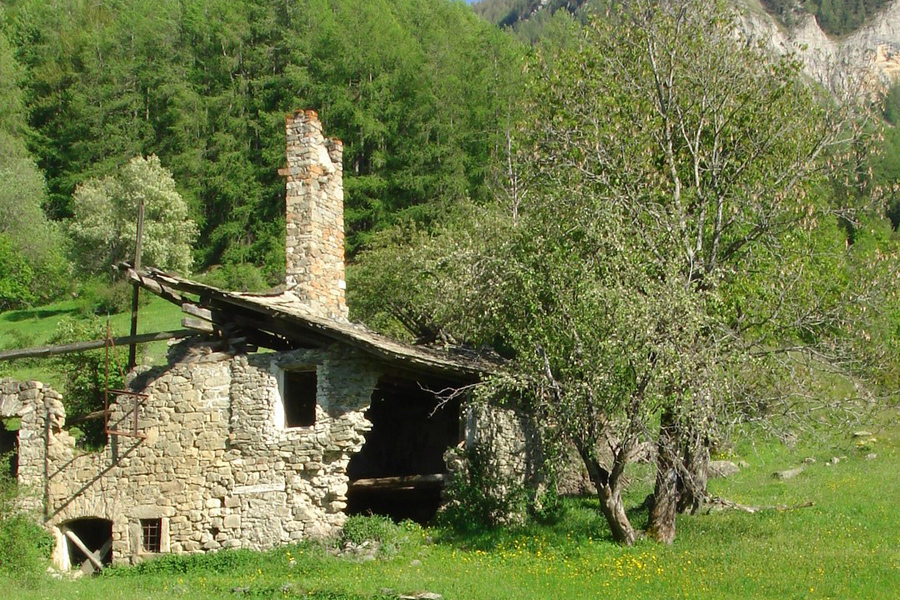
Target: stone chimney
315,217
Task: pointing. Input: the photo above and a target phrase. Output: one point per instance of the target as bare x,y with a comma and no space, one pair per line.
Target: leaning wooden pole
132,349
41,351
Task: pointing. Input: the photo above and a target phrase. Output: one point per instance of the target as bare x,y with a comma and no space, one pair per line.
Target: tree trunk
661,525
692,481
614,510
610,494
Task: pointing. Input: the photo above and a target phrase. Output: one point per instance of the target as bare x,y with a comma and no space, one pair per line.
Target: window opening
152,532
300,398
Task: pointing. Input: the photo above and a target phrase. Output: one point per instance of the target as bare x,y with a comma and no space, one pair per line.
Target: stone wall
315,217
511,439
217,466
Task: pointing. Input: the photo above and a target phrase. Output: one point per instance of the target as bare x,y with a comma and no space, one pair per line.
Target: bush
102,297
481,496
25,547
375,528
85,375
238,277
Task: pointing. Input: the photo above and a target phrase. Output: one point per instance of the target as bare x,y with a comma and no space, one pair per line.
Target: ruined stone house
230,447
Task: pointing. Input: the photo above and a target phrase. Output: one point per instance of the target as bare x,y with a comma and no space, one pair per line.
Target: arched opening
399,470
89,543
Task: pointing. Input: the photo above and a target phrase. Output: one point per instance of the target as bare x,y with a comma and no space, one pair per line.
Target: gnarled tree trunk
693,474
661,525
609,491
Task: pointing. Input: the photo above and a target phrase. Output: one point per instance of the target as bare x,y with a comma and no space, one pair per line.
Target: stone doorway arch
85,544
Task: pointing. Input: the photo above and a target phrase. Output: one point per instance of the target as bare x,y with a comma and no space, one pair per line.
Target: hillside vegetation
529,17
418,90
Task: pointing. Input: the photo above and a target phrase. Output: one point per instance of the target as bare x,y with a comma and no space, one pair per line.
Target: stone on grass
722,468
789,474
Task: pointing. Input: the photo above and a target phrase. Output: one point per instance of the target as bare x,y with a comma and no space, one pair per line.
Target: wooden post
132,349
87,552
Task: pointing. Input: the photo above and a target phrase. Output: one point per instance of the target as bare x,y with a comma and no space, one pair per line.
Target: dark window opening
152,535
9,446
411,430
95,535
299,398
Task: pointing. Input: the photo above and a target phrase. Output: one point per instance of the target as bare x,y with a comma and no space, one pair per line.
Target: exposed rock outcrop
870,56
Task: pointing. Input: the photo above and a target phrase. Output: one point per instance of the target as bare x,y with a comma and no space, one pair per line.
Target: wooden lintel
143,338
410,482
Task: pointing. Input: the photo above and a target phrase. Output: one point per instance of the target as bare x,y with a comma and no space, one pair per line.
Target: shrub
239,277
85,375
102,297
375,528
480,495
25,547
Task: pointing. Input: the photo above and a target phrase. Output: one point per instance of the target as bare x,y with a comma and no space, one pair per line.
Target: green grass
36,326
845,546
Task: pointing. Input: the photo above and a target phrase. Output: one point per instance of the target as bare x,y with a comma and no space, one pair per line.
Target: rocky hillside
870,53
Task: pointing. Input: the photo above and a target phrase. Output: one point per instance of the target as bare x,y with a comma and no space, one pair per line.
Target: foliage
16,277
86,375
25,547
239,277
376,528
842,17
105,214
419,91
480,496
673,239
28,237
101,297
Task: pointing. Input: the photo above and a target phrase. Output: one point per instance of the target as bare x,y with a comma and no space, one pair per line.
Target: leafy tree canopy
668,236
419,91
104,226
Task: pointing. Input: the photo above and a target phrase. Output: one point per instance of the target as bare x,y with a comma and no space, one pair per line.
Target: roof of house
281,321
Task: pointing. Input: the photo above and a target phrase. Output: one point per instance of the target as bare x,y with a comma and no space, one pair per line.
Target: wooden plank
90,555
409,482
91,416
197,325
144,338
197,311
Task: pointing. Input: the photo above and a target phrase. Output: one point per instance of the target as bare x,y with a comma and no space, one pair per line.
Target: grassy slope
37,325
846,546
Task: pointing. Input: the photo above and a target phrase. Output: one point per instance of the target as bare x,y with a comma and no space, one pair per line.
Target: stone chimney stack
315,217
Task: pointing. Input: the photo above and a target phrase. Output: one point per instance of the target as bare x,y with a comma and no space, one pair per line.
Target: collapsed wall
214,468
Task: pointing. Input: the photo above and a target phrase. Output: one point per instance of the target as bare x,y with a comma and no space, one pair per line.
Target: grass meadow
847,545
35,327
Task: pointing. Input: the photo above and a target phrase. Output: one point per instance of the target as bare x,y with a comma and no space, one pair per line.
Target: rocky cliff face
870,56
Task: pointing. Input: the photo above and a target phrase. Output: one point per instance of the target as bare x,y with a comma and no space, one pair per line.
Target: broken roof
281,321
